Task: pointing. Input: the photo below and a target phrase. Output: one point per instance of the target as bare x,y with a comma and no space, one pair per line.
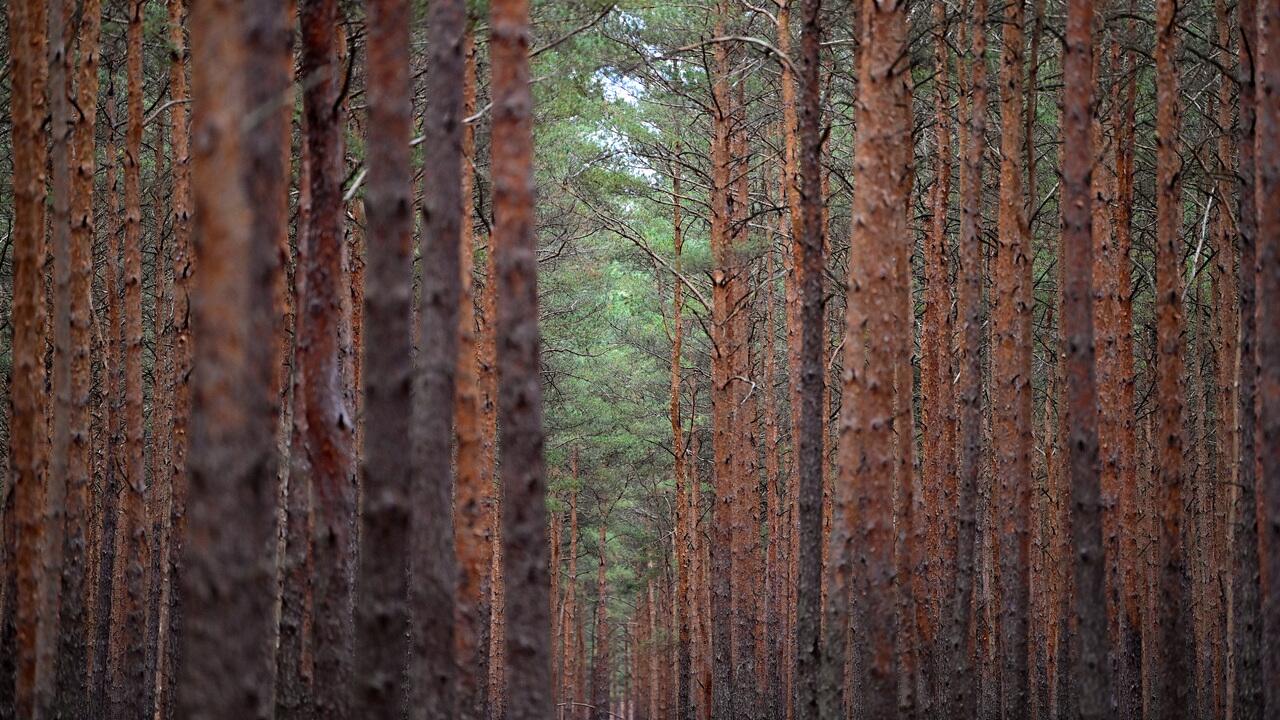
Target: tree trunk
963,701
227,583
73,658
863,540
382,606
1268,336
937,378
1172,690
1011,378
600,670
524,545
1090,671
473,522
329,436
181,331
128,621
434,568
28,452
809,268
1247,646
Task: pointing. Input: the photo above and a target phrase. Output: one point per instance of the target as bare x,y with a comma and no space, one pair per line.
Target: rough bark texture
809,446
473,500
1117,431
722,404
808,426
77,580
863,533
66,487
1172,689
128,621
329,437
569,693
1267,331
524,544
1011,378
964,685
1247,646
601,674
227,580
683,537
937,376
28,452
1090,670
434,566
183,265
382,605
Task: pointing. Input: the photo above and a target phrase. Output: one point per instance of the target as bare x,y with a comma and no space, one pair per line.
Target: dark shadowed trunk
227,580
382,605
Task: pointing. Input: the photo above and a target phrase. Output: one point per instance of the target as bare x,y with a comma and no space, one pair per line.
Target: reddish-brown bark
863,535
473,502
227,580
808,420
601,673
1089,654
524,545
722,405
28,452
78,550
569,688
181,326
1247,647
329,435
382,605
963,680
936,371
1011,377
128,621
1267,264
683,537
1172,661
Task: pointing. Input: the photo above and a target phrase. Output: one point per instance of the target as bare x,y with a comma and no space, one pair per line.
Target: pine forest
640,359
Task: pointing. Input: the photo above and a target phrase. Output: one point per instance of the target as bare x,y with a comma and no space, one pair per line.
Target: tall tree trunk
1116,385
1011,378
1172,661
69,471
1268,336
937,376
329,436
963,701
1090,670
128,621
473,522
268,67
111,400
524,545
809,267
600,670
569,695
683,539
864,522
723,689
28,452
1247,646
182,349
73,657
382,606
434,568
227,583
